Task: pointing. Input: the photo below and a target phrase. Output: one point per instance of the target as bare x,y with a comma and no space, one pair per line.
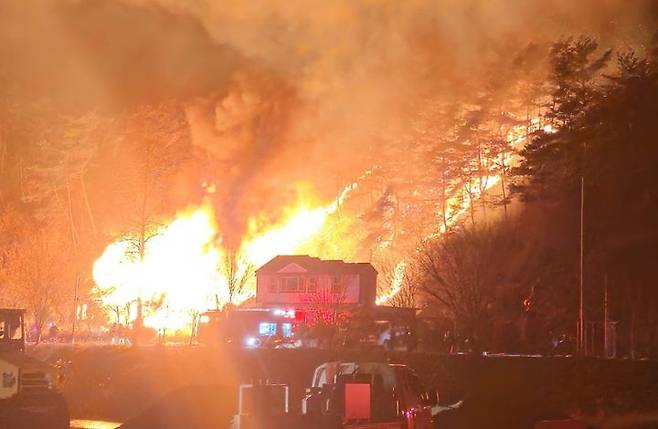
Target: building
299,281
299,290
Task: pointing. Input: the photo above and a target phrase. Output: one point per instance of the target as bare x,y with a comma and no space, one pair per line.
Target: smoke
283,91
352,71
106,54
241,131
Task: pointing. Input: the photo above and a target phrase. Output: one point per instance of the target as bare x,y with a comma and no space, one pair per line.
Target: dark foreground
195,387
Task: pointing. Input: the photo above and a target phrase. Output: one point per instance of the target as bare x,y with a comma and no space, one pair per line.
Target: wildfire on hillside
186,269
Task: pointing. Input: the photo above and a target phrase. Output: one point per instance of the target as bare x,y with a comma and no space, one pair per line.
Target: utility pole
582,344
76,301
606,344
582,331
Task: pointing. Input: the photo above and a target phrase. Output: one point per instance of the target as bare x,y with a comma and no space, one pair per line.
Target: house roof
312,265
12,310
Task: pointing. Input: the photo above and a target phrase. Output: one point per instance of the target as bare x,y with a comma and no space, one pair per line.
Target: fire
303,224
177,275
396,283
181,272
465,196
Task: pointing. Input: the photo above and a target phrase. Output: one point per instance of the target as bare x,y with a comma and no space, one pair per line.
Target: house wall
271,289
368,282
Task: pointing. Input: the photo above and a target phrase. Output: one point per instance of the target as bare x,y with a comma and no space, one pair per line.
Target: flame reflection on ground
93,424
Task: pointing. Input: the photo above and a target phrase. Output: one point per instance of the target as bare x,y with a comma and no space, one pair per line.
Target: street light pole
582,345
606,333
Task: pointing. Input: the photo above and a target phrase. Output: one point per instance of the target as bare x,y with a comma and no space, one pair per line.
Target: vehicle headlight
251,342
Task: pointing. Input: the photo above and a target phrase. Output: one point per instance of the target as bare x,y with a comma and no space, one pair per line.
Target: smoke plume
283,91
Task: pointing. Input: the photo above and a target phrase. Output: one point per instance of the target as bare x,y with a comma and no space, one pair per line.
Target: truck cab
28,398
12,348
12,330
370,393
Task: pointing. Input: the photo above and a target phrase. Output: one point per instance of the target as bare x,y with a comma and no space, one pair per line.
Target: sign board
357,402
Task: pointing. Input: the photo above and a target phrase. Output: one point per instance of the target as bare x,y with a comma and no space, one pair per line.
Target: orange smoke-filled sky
282,91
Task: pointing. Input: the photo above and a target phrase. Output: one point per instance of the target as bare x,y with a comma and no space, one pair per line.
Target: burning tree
409,294
238,272
154,143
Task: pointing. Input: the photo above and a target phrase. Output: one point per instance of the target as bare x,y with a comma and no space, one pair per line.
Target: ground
145,384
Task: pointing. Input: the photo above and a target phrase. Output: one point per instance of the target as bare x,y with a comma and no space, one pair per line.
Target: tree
606,138
531,92
555,161
575,66
325,315
463,272
237,271
153,144
409,295
36,266
56,185
396,274
62,153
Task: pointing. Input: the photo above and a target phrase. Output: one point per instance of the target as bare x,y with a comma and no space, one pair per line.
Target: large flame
177,274
181,272
302,225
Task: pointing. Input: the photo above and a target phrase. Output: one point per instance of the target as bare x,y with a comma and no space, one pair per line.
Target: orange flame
460,203
180,274
396,284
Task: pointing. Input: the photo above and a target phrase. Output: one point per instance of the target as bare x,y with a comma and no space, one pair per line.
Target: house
298,290
298,281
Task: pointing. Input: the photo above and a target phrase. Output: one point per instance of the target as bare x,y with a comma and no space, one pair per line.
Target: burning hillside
187,267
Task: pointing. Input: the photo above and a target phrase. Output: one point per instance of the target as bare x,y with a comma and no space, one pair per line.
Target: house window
271,287
312,285
291,284
336,284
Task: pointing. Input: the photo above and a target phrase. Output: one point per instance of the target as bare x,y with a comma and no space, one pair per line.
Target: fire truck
28,398
250,327
278,327
343,395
